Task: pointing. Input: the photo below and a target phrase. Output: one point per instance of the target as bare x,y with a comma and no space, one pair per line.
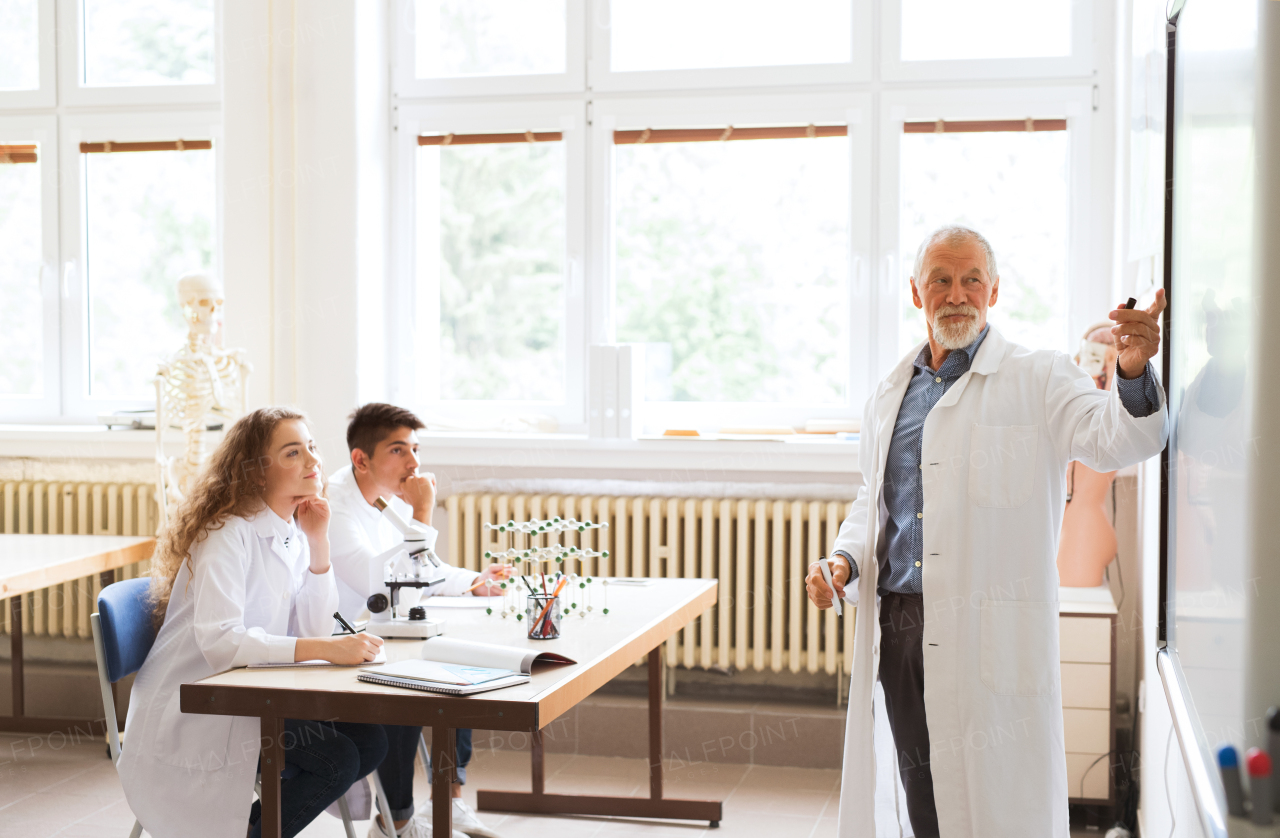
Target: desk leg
272,765
15,656
656,696
443,770
653,806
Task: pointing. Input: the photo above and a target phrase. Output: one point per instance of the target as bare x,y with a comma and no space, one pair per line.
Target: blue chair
122,636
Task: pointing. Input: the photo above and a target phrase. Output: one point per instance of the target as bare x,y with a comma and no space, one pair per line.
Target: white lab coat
358,532
251,595
994,455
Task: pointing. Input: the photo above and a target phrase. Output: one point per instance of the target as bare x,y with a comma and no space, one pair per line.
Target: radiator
74,508
758,550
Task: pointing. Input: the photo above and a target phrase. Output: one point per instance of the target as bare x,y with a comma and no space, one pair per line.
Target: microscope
408,567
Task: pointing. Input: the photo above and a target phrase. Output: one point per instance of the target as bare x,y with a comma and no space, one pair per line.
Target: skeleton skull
201,301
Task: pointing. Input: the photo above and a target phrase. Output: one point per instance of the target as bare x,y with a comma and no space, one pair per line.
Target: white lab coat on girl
252,594
994,455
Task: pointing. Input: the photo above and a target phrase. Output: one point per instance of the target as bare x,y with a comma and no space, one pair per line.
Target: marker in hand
826,574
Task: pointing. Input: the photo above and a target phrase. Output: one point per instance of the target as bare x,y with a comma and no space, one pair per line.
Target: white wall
305,178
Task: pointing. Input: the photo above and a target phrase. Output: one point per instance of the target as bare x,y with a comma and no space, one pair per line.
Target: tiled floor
72,790
69,789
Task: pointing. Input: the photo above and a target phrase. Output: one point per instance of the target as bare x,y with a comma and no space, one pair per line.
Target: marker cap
1259,763
1273,719
1227,756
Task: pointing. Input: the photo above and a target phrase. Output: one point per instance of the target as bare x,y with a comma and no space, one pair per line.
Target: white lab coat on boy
252,594
994,456
358,532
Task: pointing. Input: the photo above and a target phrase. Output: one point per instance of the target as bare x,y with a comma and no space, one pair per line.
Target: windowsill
73,442
802,453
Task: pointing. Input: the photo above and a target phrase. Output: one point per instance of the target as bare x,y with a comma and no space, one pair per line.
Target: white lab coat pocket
1016,637
1002,465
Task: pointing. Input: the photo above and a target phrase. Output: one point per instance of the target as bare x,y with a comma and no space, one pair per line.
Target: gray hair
954,234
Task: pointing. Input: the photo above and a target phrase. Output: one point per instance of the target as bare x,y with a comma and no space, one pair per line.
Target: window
937,30
676,35
19,45
459,38
700,182
107,197
663,44
480,47
127,42
936,39
149,219
1012,185
731,263
492,260
21,271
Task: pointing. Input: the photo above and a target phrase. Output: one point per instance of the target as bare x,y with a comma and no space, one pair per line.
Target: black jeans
396,771
902,676
330,757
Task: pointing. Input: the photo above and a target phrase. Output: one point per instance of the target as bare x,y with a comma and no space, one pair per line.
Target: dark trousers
902,676
396,771
329,756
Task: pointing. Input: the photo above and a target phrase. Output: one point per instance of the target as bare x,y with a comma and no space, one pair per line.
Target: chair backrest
124,614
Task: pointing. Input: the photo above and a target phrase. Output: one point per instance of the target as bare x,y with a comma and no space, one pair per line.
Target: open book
471,653
461,667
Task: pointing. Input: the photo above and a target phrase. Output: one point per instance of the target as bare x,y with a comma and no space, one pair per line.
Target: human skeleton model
1088,542
201,382
547,564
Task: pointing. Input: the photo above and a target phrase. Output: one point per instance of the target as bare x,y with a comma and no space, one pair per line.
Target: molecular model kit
548,571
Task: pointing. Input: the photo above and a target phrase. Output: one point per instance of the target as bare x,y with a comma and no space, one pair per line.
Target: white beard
956,335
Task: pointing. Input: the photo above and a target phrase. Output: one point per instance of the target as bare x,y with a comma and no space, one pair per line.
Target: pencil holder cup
542,613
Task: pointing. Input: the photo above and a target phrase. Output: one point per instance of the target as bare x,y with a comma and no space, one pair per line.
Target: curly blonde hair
232,483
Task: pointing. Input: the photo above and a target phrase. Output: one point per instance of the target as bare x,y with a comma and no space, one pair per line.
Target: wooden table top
32,562
639,619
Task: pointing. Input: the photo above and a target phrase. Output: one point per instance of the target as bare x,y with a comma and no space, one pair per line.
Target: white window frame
419,343
852,109
408,85
46,95
604,79
115,127
1072,102
1078,63
43,130
72,92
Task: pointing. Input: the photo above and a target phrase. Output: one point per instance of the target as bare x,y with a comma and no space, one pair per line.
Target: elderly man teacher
952,544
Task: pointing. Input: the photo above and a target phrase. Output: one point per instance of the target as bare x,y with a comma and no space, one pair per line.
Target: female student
241,575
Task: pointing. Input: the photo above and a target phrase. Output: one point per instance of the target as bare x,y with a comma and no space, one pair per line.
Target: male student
383,443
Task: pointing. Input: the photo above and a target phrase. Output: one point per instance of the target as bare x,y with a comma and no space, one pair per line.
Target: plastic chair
122,636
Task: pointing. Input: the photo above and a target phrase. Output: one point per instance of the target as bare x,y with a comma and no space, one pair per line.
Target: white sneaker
415,828
466,820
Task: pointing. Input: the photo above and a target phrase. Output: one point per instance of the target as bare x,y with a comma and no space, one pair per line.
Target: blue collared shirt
903,489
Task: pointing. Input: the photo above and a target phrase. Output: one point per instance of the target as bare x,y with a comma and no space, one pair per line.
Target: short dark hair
373,422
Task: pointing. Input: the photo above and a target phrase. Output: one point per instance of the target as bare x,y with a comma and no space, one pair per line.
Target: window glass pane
491,260
19,45
489,37
21,309
1012,188
145,42
935,30
679,35
150,219
732,264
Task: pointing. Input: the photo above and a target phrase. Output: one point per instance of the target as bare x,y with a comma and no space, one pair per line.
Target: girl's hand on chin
313,517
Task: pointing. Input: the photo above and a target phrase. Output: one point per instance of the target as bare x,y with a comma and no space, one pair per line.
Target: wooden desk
639,620
31,562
